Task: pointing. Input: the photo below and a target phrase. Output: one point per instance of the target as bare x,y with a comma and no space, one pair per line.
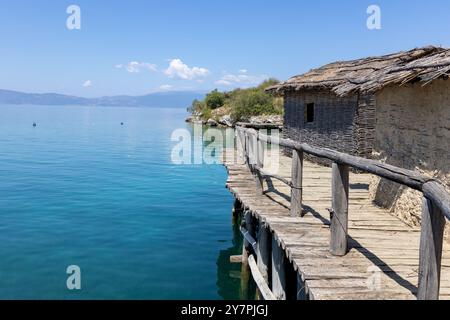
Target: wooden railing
436,200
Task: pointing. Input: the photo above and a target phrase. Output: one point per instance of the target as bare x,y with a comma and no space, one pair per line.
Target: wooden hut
393,108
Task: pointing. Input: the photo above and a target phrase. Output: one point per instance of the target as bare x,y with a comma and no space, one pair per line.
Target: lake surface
80,189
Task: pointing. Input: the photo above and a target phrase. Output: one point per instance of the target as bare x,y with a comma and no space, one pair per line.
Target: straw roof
373,74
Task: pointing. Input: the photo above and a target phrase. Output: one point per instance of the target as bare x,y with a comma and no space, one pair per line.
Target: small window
309,114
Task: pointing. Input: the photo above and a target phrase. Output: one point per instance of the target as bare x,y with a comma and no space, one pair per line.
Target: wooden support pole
249,151
237,210
245,269
278,271
264,244
431,242
240,146
260,164
297,184
339,216
246,148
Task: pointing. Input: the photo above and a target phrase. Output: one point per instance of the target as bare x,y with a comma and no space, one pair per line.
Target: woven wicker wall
343,124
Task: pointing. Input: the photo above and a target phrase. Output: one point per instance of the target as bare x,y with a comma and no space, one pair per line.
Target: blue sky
141,46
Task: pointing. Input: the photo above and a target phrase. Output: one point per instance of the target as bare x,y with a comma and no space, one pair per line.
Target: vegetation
240,104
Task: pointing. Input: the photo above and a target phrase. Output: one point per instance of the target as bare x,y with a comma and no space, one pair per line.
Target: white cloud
177,69
242,79
137,67
166,87
87,84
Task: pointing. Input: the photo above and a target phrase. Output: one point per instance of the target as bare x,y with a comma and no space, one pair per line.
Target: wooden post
246,148
259,164
237,210
278,271
339,219
297,184
431,242
264,250
245,270
240,146
249,151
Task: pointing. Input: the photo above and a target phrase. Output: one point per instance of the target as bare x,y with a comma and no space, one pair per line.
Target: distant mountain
161,99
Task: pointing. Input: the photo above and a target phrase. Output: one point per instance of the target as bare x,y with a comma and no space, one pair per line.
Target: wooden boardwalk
383,261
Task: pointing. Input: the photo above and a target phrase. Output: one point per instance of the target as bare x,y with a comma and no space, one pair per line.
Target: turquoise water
80,189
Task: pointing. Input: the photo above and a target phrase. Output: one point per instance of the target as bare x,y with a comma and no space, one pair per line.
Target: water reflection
229,275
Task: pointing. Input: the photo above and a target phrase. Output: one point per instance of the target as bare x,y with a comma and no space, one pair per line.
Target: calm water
80,189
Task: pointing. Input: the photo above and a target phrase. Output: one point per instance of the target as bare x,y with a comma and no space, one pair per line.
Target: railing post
260,165
339,215
431,242
247,149
297,184
240,146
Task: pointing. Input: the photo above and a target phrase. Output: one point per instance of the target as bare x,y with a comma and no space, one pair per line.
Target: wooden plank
297,184
433,223
236,259
377,239
260,281
339,219
278,271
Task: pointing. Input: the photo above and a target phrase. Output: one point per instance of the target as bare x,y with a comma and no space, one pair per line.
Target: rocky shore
227,121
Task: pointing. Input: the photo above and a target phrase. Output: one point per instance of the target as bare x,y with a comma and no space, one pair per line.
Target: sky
137,47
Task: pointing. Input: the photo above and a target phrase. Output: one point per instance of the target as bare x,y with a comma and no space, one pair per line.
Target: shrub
252,102
243,103
215,99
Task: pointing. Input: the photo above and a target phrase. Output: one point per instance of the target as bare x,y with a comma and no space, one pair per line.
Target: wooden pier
312,232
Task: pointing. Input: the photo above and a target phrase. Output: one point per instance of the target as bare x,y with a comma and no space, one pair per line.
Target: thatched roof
372,74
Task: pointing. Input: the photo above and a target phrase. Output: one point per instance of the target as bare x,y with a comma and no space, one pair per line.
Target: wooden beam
263,251
297,184
236,259
260,281
409,178
339,216
436,192
431,242
250,242
278,271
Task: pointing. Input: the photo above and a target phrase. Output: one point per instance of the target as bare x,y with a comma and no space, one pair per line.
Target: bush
242,103
252,102
215,100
